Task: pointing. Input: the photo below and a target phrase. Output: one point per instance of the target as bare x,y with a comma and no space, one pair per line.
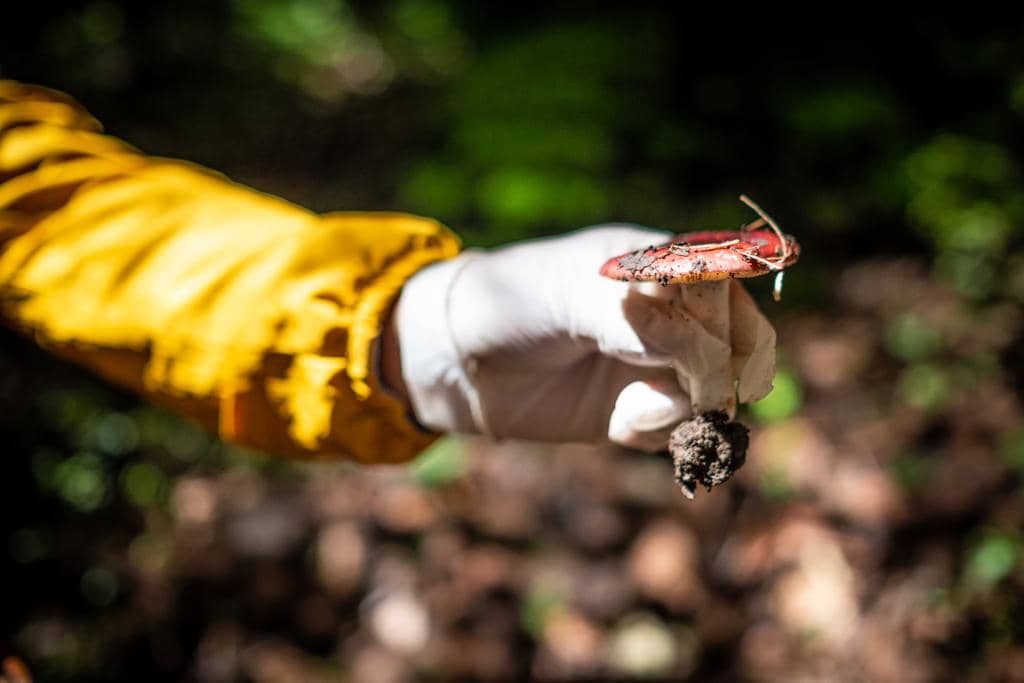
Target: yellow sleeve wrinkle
221,301
56,113
29,145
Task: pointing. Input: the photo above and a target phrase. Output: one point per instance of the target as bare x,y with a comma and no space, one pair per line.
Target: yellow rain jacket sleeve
253,315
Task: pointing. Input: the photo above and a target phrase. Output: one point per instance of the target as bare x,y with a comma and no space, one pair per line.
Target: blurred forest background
876,531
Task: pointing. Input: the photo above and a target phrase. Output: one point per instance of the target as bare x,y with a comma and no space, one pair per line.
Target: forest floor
873,535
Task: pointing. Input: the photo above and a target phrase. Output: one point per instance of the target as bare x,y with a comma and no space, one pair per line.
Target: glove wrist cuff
433,365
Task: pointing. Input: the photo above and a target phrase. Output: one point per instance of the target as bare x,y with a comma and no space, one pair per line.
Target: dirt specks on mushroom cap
637,260
706,256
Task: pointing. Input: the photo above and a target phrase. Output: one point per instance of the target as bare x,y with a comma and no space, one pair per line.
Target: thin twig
709,247
685,249
772,265
768,219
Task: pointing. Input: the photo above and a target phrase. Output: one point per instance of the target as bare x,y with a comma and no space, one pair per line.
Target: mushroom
708,448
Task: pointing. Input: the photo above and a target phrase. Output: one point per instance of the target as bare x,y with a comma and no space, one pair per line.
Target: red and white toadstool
709,448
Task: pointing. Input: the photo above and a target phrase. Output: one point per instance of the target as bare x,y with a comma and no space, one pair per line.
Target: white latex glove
529,341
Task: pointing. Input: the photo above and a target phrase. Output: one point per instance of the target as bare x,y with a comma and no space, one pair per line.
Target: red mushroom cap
707,255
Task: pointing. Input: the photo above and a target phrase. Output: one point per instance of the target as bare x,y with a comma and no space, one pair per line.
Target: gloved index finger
621,329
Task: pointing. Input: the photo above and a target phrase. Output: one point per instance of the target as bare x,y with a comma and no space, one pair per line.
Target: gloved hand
529,341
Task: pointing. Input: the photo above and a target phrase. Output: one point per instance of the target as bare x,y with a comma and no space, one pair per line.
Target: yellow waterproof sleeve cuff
246,312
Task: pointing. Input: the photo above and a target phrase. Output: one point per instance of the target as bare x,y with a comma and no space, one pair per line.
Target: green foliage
328,52
309,29
1011,448
538,156
909,471
784,400
102,23
31,544
925,385
144,484
93,30
316,45
99,586
994,557
81,481
111,433
443,463
522,197
775,484
842,113
967,197
183,439
444,187
909,337
69,408
537,607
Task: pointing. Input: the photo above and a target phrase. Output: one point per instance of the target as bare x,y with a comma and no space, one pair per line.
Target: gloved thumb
645,413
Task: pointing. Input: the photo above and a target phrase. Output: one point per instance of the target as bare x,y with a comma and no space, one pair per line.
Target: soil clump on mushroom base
707,449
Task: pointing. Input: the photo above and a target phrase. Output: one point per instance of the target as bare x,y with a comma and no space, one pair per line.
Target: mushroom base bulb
707,449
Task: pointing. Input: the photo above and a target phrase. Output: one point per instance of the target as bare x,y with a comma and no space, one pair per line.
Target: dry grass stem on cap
765,218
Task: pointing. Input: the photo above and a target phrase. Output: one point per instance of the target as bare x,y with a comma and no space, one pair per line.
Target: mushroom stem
708,303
